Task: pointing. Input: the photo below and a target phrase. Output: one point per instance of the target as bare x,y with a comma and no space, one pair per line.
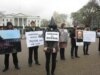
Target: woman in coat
63,41
14,55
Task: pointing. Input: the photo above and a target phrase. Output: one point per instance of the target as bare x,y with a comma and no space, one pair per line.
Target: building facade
19,19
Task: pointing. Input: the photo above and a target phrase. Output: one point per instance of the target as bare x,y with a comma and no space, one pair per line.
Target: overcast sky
42,8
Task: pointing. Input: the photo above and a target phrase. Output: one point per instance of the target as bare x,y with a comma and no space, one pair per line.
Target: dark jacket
33,29
51,44
72,36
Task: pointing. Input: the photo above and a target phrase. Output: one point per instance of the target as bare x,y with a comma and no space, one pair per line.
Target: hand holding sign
45,49
52,36
54,50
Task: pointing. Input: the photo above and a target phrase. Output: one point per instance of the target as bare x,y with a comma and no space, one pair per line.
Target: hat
52,23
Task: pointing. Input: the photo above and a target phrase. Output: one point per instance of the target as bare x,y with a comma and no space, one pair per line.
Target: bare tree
59,18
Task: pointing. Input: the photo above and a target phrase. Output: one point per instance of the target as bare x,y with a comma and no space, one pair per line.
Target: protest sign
63,35
89,36
98,34
10,41
79,37
34,38
52,36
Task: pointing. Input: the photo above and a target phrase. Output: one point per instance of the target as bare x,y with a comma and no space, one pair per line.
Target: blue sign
9,34
10,41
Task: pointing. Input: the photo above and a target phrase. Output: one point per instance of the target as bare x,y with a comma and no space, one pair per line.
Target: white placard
52,36
89,36
79,43
98,34
63,35
34,38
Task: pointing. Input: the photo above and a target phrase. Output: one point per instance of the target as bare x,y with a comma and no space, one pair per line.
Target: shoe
16,67
77,57
72,57
37,63
30,65
48,73
62,58
6,69
87,54
84,54
52,74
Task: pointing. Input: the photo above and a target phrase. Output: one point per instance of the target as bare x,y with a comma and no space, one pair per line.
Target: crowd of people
51,48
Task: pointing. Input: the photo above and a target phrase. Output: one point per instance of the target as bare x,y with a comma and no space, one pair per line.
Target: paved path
85,65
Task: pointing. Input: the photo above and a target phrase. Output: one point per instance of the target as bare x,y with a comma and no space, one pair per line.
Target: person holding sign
74,47
63,41
51,46
35,48
15,58
98,35
86,45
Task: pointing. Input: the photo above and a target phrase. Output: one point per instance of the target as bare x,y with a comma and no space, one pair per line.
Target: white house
19,19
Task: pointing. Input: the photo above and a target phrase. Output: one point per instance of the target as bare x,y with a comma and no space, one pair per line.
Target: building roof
21,15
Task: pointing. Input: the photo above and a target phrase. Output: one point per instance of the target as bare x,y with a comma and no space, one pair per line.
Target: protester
74,47
35,48
50,49
99,42
63,41
15,58
86,44
98,36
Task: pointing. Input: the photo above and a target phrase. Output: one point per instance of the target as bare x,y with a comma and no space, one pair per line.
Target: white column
13,21
27,22
39,22
5,22
23,23
18,21
36,21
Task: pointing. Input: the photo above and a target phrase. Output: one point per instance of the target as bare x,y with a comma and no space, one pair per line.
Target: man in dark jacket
74,48
35,48
98,35
99,45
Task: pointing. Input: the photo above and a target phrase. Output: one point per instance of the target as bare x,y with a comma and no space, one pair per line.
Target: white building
19,19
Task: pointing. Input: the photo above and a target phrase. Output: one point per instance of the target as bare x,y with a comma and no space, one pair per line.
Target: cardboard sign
10,34
98,34
89,36
52,36
79,37
79,43
34,38
10,41
63,35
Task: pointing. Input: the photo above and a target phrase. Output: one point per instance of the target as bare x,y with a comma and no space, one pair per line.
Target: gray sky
42,8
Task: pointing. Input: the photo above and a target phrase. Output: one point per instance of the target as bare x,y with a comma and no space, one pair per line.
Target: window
10,20
38,21
3,20
7,20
